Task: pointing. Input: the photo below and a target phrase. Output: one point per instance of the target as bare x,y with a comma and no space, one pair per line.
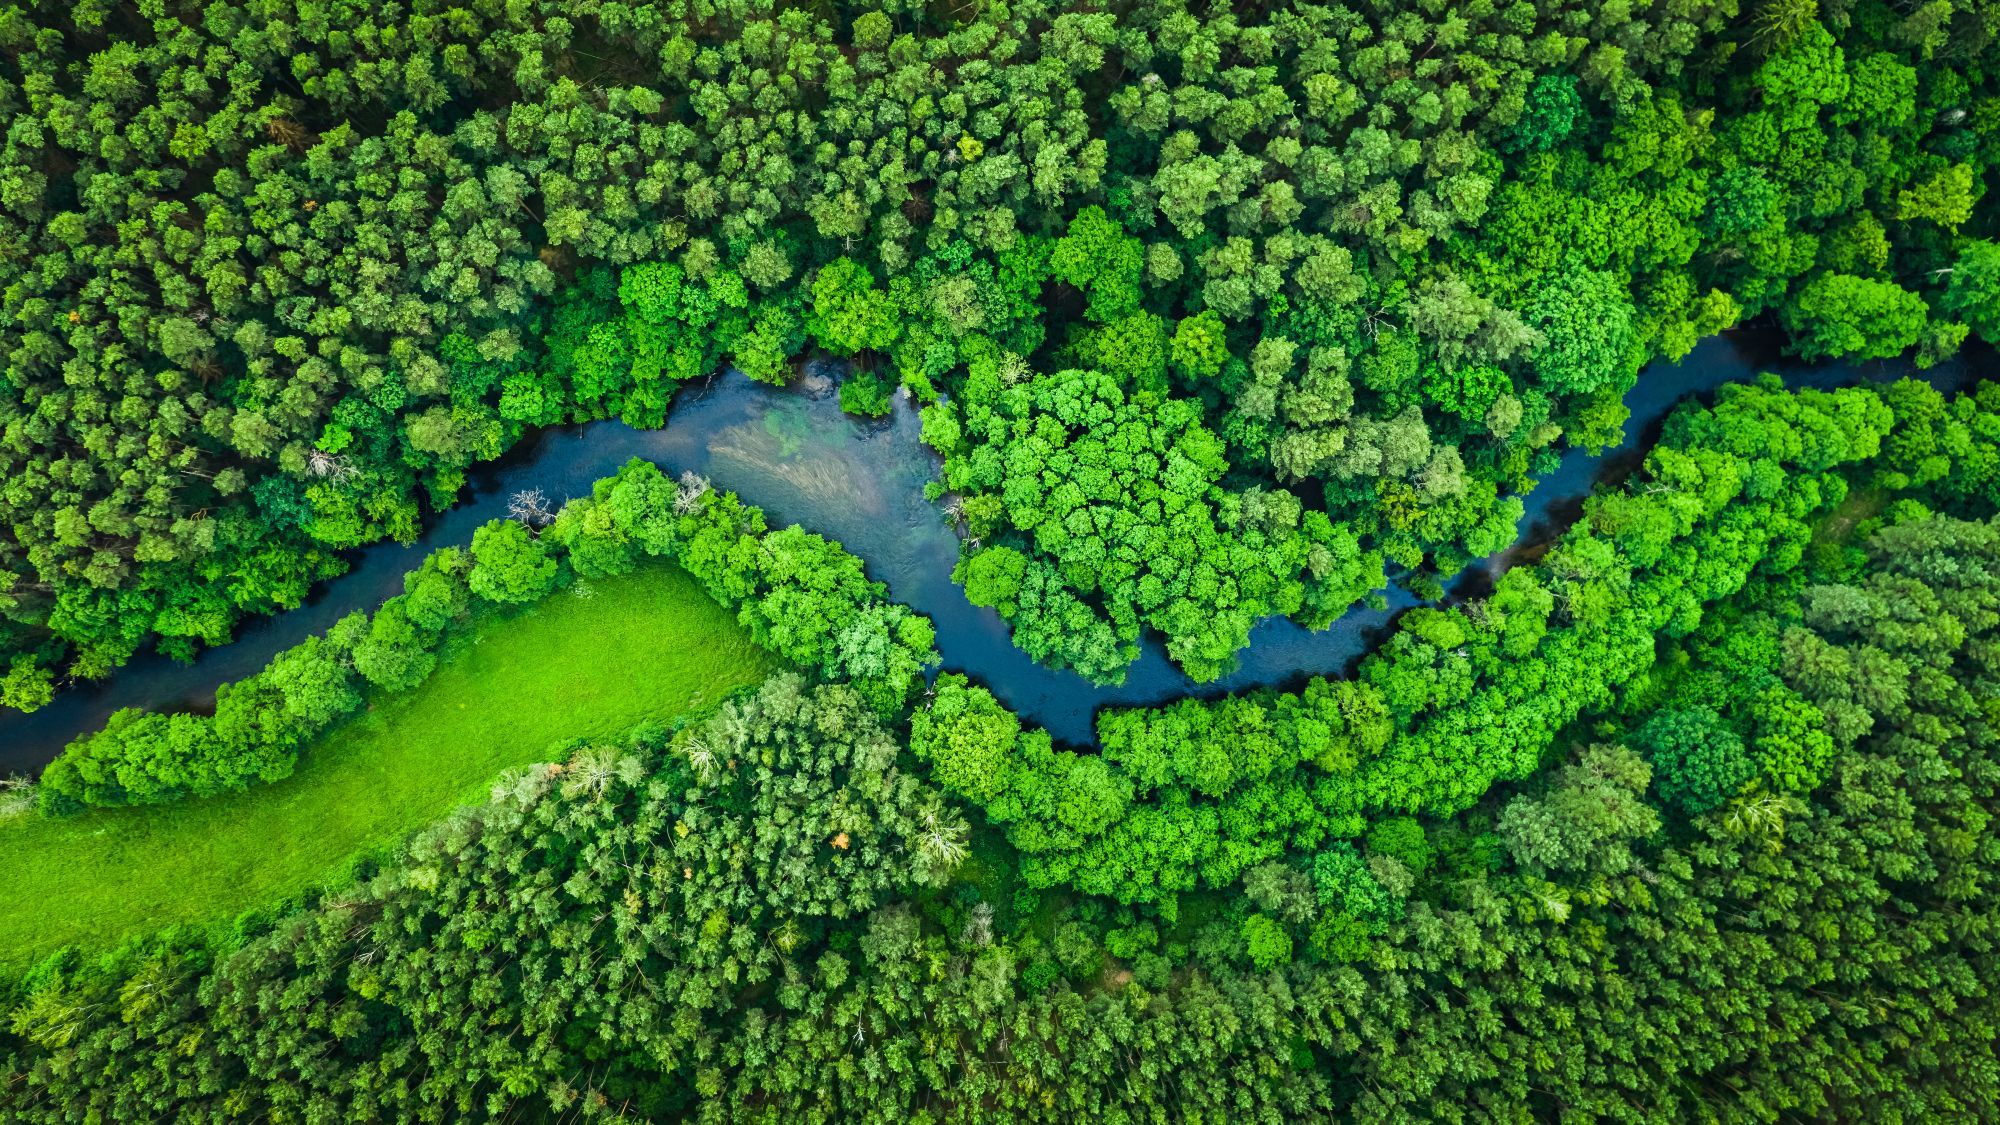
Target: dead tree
531,507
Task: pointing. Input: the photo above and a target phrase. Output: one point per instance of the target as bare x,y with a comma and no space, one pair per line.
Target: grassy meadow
651,644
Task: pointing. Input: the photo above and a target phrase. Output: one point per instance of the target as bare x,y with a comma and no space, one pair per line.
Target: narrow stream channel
792,453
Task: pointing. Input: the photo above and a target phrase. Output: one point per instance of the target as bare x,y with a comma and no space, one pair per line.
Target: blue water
791,452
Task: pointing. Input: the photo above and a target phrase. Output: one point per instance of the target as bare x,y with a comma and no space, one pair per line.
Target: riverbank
651,644
791,452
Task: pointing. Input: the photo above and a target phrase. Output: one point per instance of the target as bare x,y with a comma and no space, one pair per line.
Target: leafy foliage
1698,761
1119,504
280,277
800,596
778,885
1213,315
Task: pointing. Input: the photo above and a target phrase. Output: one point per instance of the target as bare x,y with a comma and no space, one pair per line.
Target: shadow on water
792,453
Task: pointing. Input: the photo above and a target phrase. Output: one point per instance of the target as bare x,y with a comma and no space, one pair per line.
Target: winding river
792,453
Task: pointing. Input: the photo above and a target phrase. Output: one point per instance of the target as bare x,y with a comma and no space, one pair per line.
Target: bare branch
328,466
687,498
531,507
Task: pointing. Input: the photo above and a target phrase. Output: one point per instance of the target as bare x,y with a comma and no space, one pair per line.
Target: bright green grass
649,645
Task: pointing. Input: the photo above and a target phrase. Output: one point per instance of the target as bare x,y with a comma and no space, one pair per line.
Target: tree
967,737
1586,818
849,315
1854,317
1945,199
314,683
1266,942
1402,839
395,654
1586,322
992,577
1552,111
1348,886
27,685
1470,392
1973,291
866,394
589,535
1698,760
1199,347
510,566
1098,257
1117,519
1741,201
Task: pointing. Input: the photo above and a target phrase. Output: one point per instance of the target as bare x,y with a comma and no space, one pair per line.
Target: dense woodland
1213,314
1749,881
281,273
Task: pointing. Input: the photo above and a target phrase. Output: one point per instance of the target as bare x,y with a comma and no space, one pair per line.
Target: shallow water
792,453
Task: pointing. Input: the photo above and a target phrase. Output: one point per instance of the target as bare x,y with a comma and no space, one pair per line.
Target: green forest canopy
282,274
1212,315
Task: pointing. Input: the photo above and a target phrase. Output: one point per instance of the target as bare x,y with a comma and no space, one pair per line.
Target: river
792,453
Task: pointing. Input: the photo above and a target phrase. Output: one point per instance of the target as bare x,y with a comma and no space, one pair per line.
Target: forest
1672,804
